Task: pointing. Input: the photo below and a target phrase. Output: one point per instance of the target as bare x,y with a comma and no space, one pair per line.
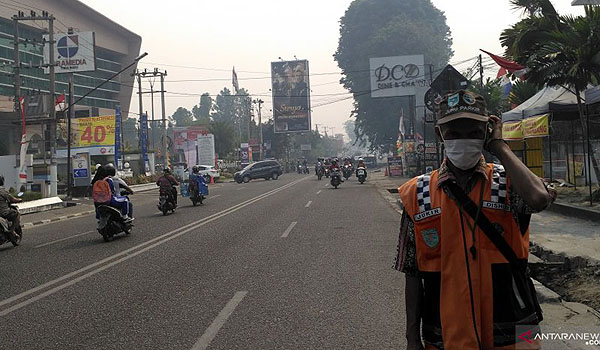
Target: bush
141,179
31,196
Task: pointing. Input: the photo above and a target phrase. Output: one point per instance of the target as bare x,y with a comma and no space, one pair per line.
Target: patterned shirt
406,257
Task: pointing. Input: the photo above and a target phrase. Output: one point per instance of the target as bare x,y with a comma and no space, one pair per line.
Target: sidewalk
568,250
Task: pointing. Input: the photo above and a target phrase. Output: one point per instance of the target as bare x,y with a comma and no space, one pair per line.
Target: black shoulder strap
484,223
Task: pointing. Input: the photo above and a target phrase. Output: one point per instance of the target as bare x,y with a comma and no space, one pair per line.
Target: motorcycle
112,222
336,178
327,173
166,203
361,173
319,172
197,195
299,169
347,171
14,237
305,169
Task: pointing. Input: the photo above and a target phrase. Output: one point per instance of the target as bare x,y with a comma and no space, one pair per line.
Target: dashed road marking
62,239
308,204
289,229
319,191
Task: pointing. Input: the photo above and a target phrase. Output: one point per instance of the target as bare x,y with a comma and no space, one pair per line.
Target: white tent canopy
541,103
592,95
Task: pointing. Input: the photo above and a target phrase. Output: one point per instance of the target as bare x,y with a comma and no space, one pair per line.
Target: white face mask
464,153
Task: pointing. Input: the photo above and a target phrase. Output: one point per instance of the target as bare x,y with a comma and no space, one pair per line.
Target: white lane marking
62,239
211,332
129,253
319,191
215,196
326,185
289,229
308,204
241,188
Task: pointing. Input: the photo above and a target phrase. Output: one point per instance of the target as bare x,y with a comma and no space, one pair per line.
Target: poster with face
291,96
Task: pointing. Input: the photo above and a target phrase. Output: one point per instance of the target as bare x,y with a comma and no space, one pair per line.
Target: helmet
110,169
335,159
98,166
167,171
195,169
360,159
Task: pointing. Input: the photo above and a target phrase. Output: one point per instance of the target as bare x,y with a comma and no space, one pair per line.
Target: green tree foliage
492,94
129,128
224,108
182,117
557,50
202,111
224,137
379,28
522,91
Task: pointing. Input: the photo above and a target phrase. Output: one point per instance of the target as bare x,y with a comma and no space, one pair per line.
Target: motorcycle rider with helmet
117,201
10,214
167,185
197,181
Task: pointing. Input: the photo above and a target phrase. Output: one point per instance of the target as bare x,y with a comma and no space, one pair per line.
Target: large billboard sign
291,96
72,52
397,76
94,135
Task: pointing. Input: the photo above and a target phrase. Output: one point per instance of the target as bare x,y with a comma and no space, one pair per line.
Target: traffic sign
449,80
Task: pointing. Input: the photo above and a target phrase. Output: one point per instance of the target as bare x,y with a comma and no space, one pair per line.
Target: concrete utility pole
260,133
17,81
153,74
480,74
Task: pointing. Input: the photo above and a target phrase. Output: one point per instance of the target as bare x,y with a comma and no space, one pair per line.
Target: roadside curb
60,218
570,210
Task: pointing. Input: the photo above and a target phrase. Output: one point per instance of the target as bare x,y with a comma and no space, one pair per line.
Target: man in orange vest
464,237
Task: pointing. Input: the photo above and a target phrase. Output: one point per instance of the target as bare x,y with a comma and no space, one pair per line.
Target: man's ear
438,133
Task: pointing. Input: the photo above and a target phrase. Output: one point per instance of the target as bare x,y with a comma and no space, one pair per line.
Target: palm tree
521,92
557,50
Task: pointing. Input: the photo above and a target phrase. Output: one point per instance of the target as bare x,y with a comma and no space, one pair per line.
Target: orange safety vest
442,257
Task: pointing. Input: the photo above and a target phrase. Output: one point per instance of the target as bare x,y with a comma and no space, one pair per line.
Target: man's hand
495,136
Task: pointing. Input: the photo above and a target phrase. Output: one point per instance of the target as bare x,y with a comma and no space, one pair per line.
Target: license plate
361,172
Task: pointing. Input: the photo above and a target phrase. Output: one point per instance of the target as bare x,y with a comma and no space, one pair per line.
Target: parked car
208,171
266,169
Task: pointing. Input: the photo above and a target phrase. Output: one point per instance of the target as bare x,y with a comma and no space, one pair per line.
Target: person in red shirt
167,184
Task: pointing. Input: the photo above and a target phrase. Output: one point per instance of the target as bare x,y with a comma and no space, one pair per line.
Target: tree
224,137
521,92
557,50
224,108
182,117
379,28
202,111
129,128
492,94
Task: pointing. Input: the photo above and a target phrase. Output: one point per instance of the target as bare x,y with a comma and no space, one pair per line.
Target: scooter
14,237
166,204
112,222
319,172
361,174
336,178
327,172
347,171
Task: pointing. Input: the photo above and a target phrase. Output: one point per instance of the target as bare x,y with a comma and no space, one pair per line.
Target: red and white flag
60,104
234,81
511,66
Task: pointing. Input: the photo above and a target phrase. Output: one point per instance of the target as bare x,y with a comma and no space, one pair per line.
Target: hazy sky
219,34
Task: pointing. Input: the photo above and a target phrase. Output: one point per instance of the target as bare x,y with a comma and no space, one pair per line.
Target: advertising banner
72,52
118,138
206,149
512,131
144,141
395,166
291,96
536,126
94,135
397,76
244,154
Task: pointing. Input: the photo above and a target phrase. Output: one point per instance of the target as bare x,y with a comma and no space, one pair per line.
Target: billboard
291,96
72,53
397,76
206,149
94,135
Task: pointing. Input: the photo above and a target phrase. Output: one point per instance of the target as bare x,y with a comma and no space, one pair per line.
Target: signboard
72,53
512,131
397,76
449,80
118,138
80,163
395,166
206,149
244,154
291,96
535,126
306,147
144,141
93,135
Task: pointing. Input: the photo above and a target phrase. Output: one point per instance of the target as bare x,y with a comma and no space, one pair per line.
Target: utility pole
153,74
260,133
480,74
20,16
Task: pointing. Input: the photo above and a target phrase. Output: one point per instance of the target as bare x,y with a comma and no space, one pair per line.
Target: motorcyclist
10,214
167,185
197,181
361,164
117,201
335,167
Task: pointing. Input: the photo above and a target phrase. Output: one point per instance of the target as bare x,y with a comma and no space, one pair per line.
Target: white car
208,171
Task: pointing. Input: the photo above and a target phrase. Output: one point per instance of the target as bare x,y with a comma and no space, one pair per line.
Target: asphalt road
286,264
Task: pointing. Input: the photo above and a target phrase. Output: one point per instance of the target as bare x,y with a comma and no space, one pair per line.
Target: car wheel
275,176
246,179
238,181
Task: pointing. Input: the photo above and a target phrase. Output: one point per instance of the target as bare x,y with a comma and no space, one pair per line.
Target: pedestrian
464,238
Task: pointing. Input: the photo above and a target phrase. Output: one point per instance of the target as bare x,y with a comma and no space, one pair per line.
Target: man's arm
530,187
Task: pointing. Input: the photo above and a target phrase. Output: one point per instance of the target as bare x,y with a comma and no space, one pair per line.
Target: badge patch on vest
431,237
496,205
428,214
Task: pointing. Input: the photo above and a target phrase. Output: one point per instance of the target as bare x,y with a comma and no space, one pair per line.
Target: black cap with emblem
462,104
